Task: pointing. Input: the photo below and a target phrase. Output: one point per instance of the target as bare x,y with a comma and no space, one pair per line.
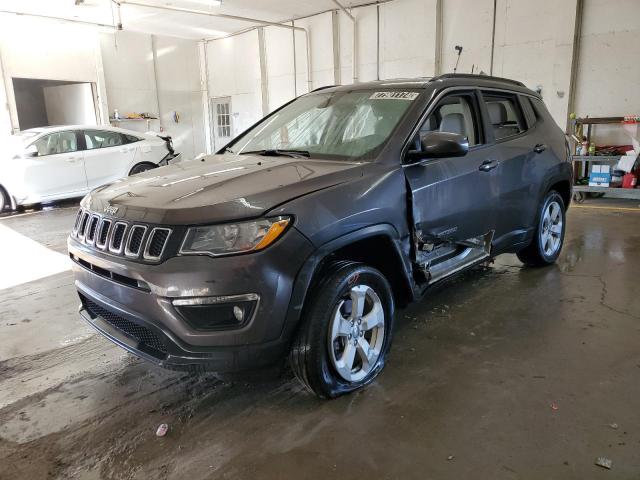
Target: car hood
217,188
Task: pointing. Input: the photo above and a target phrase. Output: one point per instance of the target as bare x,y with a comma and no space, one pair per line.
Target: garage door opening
42,103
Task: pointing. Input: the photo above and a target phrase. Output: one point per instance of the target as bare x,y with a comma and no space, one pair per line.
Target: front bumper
145,322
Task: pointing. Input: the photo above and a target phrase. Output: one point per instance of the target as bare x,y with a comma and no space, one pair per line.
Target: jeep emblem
110,209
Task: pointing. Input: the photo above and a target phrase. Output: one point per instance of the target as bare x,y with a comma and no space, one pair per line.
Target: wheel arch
379,246
11,199
143,162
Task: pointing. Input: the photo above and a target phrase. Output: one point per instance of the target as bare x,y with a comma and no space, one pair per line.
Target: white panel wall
234,71
467,24
280,71
130,78
407,38
320,29
534,44
609,68
179,91
70,104
127,59
32,48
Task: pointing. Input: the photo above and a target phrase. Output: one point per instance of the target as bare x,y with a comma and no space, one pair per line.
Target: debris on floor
162,430
614,426
450,457
604,462
554,406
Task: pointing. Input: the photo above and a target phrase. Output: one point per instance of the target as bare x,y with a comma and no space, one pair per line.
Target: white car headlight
231,238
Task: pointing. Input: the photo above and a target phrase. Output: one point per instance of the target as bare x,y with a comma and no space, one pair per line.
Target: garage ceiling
179,24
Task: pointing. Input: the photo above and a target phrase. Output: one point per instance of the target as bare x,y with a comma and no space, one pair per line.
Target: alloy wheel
356,333
551,229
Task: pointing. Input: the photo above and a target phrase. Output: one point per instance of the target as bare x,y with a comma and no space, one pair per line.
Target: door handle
488,165
539,148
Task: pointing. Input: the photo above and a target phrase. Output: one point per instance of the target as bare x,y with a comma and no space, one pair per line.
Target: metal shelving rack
581,162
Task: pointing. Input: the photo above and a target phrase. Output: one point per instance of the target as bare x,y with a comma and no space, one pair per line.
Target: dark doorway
42,103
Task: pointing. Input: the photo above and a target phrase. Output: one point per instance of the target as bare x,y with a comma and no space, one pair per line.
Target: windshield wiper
279,153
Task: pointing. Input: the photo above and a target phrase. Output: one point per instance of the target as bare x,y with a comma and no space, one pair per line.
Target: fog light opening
238,313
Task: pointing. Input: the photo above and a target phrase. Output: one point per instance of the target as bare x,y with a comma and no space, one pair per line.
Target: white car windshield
333,125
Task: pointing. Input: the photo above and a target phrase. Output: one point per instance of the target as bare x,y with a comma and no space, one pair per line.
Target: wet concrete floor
504,373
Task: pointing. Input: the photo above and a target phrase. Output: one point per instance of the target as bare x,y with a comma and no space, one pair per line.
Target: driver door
454,199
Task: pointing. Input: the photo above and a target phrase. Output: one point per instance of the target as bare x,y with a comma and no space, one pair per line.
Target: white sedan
54,163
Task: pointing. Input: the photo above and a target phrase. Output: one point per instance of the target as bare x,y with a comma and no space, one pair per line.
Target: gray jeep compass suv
301,236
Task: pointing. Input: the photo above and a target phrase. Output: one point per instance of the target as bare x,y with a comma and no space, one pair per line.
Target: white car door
107,156
57,171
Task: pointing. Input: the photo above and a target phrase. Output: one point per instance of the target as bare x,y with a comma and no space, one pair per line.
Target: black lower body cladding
151,323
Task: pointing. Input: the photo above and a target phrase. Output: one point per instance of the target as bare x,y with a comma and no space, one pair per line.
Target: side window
455,114
529,112
102,139
504,114
130,139
55,143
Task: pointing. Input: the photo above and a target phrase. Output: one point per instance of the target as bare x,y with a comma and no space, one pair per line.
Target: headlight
234,237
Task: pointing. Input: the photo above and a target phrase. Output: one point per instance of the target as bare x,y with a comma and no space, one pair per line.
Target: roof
60,128
447,79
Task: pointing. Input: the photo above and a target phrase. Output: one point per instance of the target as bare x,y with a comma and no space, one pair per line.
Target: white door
107,156
58,169
221,124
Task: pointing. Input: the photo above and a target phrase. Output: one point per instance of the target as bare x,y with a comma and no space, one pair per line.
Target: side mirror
440,145
30,151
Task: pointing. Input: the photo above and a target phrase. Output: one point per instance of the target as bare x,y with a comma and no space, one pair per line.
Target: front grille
141,334
133,240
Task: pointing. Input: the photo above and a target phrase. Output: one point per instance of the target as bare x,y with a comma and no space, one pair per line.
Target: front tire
346,331
549,236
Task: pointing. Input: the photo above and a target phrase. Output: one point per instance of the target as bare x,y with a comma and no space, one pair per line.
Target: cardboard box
600,176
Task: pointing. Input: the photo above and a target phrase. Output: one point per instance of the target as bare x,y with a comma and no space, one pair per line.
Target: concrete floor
506,372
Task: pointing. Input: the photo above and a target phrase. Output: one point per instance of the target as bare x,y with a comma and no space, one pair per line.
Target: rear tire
346,331
548,239
142,167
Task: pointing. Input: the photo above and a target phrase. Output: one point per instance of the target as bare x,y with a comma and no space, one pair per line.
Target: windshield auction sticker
394,96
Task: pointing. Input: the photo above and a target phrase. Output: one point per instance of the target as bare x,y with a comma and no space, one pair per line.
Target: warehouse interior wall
532,42
160,76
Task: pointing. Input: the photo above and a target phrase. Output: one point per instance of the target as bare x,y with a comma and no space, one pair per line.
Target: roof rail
322,88
445,76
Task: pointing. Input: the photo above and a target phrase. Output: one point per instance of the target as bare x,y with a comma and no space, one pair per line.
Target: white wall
70,104
130,78
31,48
234,71
609,68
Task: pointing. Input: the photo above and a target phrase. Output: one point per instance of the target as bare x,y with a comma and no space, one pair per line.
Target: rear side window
529,112
131,139
455,114
505,116
102,139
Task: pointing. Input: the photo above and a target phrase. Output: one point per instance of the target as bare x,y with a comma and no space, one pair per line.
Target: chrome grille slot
156,243
91,229
76,224
83,225
103,233
134,240
117,237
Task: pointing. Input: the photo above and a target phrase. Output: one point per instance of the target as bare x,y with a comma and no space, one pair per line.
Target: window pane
454,114
504,115
336,125
62,142
102,139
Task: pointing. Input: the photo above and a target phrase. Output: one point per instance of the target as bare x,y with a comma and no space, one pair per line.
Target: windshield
332,125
